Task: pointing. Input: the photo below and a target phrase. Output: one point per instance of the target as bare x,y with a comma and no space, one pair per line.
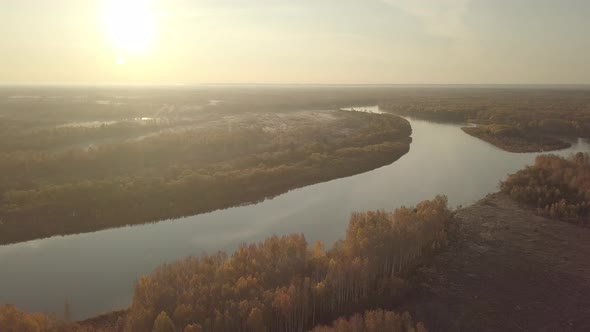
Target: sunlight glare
130,24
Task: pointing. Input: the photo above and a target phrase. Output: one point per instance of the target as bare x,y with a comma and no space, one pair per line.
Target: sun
130,26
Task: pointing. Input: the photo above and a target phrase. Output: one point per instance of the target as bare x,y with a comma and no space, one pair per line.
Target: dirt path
509,270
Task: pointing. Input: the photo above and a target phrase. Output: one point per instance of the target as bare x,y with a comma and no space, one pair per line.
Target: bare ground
508,269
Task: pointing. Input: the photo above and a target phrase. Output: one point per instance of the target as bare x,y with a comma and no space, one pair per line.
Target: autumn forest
87,163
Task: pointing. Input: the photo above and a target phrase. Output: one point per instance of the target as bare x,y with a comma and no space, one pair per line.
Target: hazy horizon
295,85
265,42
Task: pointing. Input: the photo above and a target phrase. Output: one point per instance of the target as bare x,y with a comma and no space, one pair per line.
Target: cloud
441,18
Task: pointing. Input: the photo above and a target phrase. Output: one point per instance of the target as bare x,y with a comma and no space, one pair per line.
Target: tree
193,328
255,320
67,311
163,323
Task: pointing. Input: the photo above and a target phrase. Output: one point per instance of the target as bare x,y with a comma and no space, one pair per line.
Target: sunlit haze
303,41
294,165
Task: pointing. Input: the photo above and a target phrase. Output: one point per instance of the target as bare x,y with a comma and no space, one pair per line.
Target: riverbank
505,268
508,269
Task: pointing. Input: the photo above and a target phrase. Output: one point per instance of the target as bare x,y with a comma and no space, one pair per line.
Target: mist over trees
175,173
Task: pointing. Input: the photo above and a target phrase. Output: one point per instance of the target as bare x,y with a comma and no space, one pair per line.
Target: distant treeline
282,284
185,172
558,187
516,120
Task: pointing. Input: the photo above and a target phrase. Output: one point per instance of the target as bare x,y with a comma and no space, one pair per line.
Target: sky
294,41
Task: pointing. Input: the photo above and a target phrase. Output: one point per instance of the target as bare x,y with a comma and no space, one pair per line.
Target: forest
374,321
13,320
513,119
91,175
282,283
557,187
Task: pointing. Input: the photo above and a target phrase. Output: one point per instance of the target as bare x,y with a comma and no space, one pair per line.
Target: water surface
95,272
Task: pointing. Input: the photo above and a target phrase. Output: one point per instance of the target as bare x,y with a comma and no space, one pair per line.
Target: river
95,272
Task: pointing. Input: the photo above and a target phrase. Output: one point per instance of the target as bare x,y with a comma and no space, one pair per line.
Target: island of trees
282,283
514,139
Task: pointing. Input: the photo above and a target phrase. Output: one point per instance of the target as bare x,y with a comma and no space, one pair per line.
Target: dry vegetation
556,186
507,269
281,284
